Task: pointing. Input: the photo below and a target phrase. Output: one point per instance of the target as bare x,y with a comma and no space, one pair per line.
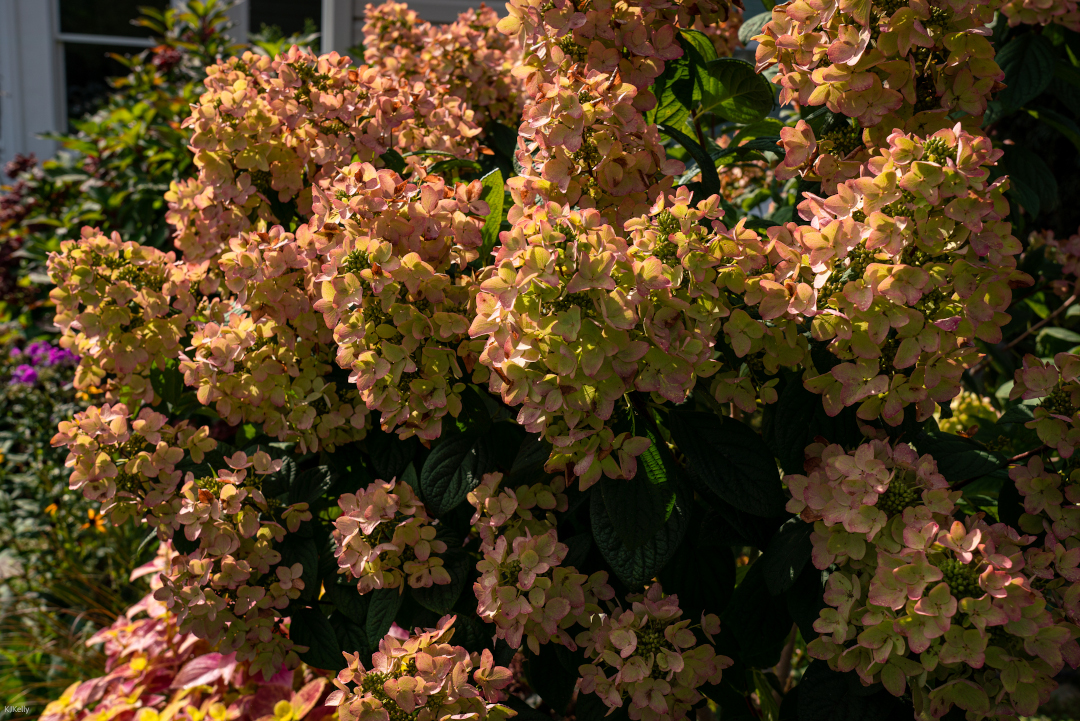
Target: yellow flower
96,520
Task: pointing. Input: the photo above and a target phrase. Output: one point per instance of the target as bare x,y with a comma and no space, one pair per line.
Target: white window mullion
337,25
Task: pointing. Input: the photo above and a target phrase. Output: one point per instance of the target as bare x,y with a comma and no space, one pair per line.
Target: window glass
104,17
288,15
87,69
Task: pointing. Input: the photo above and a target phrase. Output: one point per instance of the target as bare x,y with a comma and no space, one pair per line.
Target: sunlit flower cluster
232,587
576,314
267,129
123,307
470,56
584,139
384,539
423,678
901,270
128,463
523,588
650,659
396,292
952,611
882,62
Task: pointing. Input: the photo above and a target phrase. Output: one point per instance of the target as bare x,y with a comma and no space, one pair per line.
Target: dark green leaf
787,554
1031,180
958,458
528,466
1019,413
393,160
1028,63
827,695
710,179
806,599
792,423
492,194
549,678
638,507
702,572
752,26
637,566
757,621
345,596
1066,126
453,468
441,599
310,628
589,707
445,166
350,636
674,92
311,484
382,610
737,93
731,459
390,454
168,382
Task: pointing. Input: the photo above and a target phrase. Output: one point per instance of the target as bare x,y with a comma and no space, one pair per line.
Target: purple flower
38,352
61,356
24,374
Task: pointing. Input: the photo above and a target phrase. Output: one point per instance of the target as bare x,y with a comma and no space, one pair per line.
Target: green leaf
528,465
1059,122
1020,413
168,382
342,592
752,26
757,621
710,179
731,459
453,468
786,555
382,610
550,678
827,695
1028,62
674,92
310,628
701,51
311,484
441,599
958,458
492,194
736,92
1031,180
389,454
702,572
350,636
635,567
444,166
806,598
638,507
393,160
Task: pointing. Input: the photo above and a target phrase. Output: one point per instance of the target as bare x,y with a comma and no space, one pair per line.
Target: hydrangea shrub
468,381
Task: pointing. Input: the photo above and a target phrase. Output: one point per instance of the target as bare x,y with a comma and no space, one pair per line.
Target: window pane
287,15
104,17
87,68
